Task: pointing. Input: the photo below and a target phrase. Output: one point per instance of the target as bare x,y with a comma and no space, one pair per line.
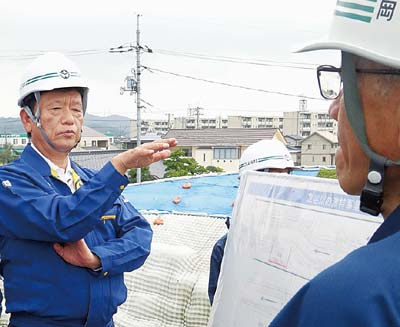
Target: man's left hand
78,254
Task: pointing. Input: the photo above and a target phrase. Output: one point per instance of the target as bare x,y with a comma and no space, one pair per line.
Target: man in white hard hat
66,233
363,288
270,156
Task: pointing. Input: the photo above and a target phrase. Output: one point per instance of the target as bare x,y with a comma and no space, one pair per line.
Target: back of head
51,71
265,154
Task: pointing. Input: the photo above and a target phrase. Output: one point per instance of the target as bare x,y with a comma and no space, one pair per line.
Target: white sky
251,30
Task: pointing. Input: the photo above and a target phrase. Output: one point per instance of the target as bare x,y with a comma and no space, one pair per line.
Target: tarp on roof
211,195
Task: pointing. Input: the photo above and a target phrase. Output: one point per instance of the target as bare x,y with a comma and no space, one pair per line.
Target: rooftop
221,136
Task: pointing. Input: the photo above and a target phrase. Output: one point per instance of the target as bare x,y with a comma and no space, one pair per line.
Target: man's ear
26,121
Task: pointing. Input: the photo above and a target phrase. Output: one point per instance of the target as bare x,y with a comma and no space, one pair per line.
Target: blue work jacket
217,255
37,210
362,290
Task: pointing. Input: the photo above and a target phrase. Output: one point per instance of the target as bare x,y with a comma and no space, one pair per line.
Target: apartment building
304,123
192,122
158,126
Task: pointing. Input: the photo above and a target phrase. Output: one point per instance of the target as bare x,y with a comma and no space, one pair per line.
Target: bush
213,169
327,173
145,175
179,165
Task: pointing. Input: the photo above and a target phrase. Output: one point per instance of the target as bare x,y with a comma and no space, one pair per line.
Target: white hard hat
51,71
365,28
265,154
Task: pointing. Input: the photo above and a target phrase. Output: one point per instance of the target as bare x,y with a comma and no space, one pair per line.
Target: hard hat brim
357,50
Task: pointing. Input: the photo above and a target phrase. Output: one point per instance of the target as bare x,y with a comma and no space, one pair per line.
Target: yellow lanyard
76,180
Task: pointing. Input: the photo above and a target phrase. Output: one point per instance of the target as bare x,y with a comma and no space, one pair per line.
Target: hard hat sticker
363,10
65,74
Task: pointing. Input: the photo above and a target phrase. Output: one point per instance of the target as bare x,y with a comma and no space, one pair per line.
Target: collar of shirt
63,175
390,226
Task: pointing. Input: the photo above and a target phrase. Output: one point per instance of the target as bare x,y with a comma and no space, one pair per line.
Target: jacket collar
390,226
33,159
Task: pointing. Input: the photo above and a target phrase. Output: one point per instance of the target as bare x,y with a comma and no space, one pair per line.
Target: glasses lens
329,83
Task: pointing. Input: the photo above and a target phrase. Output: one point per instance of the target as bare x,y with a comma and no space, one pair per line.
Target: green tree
7,154
327,173
179,165
145,175
213,169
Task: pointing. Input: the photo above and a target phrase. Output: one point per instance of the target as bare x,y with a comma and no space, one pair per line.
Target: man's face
61,117
351,162
379,100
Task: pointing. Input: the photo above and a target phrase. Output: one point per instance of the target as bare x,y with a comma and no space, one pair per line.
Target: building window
23,141
204,157
93,143
226,153
323,159
323,146
15,141
308,146
187,152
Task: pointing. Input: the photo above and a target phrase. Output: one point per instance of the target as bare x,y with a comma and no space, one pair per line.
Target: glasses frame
333,69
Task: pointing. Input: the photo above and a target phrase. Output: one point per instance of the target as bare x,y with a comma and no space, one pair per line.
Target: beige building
304,123
221,147
160,126
319,149
94,140
267,121
193,122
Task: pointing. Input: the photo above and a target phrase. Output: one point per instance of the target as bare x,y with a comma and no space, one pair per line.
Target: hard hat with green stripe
265,154
52,71
367,28
48,72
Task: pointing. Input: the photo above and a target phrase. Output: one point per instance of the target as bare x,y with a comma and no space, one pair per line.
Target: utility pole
169,120
139,119
196,112
133,84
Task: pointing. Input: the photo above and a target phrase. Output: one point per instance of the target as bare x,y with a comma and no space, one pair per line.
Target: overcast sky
261,33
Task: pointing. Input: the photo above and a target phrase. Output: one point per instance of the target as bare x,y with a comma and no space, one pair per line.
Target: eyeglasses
330,79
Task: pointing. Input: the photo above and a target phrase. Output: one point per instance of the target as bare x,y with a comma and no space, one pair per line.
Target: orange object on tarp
186,186
176,200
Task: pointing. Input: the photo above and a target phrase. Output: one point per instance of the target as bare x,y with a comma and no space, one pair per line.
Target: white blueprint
285,230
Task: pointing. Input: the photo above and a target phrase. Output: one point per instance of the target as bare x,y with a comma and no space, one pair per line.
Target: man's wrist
95,263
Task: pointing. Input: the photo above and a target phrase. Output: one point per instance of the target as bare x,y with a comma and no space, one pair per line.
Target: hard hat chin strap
371,198
36,119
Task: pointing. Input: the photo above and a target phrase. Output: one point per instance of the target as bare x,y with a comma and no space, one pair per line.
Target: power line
258,62
231,85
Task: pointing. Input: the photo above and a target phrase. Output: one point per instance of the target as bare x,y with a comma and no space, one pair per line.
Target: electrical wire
231,85
258,62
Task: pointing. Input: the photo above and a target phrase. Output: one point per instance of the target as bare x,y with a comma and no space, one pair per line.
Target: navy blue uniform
38,210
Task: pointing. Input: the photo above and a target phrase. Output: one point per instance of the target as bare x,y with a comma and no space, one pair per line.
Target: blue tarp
212,195
208,194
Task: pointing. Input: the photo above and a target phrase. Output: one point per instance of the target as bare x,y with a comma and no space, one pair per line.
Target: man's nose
68,117
334,108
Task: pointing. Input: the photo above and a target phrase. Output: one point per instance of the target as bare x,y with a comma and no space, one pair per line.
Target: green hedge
327,173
